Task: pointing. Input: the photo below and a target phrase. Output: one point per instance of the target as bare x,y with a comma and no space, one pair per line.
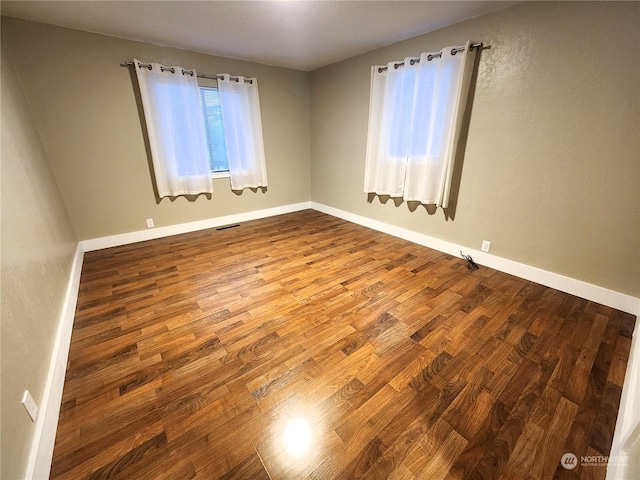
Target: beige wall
551,174
38,244
84,105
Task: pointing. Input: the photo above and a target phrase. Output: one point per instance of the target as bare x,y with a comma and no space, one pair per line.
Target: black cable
471,265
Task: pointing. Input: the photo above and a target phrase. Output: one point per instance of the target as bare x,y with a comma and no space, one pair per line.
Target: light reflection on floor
296,440
297,437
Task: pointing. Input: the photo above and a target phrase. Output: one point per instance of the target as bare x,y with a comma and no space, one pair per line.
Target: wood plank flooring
305,347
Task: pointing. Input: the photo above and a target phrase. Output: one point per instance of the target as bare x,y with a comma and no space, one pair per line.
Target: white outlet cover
149,222
30,405
486,244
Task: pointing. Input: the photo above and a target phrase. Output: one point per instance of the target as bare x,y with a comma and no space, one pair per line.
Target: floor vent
228,226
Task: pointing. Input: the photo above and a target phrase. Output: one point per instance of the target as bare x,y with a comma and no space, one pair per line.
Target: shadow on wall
253,189
145,135
450,211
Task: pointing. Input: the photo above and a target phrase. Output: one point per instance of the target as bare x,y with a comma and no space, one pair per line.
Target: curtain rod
190,72
478,45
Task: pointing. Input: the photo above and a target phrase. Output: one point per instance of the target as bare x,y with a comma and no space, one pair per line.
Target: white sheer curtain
415,118
177,137
242,124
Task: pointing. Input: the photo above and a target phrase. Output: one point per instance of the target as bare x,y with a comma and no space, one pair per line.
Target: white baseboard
44,437
160,232
601,295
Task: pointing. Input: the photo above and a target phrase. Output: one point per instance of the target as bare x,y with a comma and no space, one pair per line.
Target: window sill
220,175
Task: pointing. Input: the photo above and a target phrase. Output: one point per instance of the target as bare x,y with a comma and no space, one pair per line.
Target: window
197,132
212,113
177,138
400,117
415,121
171,109
242,160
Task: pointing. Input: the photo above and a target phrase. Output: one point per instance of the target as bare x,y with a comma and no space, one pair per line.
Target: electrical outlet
150,222
30,405
486,244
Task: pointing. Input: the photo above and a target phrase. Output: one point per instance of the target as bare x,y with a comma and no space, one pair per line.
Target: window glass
212,113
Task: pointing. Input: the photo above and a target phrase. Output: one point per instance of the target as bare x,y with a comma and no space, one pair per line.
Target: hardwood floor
304,346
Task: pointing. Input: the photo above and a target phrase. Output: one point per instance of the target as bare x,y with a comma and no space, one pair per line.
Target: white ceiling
298,34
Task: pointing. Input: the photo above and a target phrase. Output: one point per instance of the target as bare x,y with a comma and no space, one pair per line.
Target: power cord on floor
471,265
